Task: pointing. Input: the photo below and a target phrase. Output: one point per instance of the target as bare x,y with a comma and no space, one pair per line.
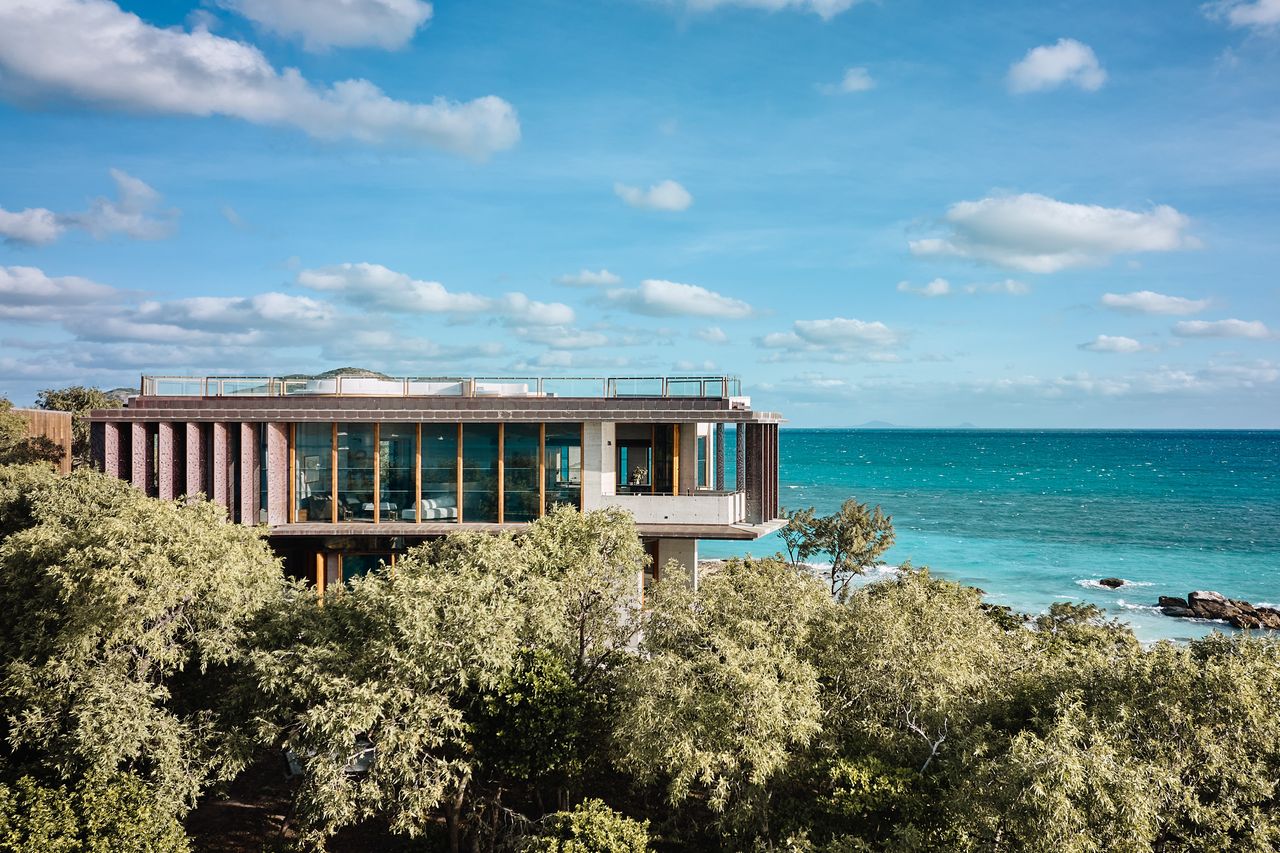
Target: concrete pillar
683,551
719,450
250,474
755,463
140,445
740,457
218,476
688,459
196,448
598,478
277,463
168,466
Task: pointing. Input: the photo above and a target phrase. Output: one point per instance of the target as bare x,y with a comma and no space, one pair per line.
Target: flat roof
352,385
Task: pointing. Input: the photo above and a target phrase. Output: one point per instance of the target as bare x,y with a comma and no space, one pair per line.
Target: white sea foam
1090,583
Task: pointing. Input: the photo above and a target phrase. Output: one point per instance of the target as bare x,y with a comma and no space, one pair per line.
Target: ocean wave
1146,608
1090,583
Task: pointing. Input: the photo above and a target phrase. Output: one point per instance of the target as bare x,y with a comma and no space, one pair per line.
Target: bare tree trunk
453,815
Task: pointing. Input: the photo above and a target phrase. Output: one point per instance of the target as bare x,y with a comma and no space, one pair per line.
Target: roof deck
612,387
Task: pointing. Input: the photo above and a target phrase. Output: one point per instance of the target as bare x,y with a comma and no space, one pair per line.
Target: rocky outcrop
1205,604
1112,583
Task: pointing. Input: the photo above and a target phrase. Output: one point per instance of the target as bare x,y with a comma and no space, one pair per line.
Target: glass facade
480,472
433,473
355,472
355,565
563,460
397,471
439,473
520,497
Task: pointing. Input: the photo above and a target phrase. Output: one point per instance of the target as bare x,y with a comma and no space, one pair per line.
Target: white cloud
659,298
133,213
1008,287
240,313
712,335
521,309
1150,302
1113,343
93,51
27,293
564,338
838,338
1262,15
1052,65
666,195
825,9
591,278
377,286
937,287
854,80
1038,234
323,24
1221,329
34,226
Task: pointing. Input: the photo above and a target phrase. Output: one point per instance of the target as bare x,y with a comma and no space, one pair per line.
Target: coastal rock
1112,583
1206,604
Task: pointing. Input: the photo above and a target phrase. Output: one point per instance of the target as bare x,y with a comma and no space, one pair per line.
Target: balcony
705,506
705,387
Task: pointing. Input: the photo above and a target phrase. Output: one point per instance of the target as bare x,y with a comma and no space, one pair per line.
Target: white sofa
433,509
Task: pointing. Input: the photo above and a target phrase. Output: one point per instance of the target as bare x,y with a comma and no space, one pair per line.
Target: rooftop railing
714,387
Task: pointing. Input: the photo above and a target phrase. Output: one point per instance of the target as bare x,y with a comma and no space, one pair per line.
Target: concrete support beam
719,450
140,445
250,473
196,450
277,463
168,466
218,476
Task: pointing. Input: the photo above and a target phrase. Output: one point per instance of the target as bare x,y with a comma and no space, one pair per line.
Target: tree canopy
79,401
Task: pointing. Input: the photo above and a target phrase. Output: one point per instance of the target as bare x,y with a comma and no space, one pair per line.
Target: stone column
140,444
719,441
110,458
218,476
196,449
167,465
250,473
277,463
740,457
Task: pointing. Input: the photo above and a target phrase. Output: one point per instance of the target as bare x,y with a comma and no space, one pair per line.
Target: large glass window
397,449
563,459
520,472
480,472
355,472
703,461
439,473
357,565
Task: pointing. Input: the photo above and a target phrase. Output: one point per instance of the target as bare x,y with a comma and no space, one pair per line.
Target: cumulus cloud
825,9
590,278
1113,344
377,286
322,24
665,195
838,338
27,293
1053,65
854,80
712,335
34,226
93,51
1008,287
133,213
1150,302
659,298
1038,234
563,337
1260,15
937,287
1221,329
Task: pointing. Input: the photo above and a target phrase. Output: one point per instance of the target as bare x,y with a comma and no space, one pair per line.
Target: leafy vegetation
505,693
79,401
16,447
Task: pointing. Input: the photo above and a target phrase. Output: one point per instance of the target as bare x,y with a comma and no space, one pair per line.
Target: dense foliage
79,401
506,693
16,447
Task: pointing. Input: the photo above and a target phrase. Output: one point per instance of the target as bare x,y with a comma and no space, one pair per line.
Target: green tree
853,537
799,534
723,692
16,448
591,827
79,401
111,601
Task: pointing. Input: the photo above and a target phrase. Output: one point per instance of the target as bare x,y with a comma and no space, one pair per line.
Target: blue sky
1015,214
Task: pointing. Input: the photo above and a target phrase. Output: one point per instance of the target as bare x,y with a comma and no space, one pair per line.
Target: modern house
348,471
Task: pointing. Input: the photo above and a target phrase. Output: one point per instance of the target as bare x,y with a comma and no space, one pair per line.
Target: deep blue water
1034,517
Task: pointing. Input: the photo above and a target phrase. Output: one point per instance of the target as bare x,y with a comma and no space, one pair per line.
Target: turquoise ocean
1034,517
